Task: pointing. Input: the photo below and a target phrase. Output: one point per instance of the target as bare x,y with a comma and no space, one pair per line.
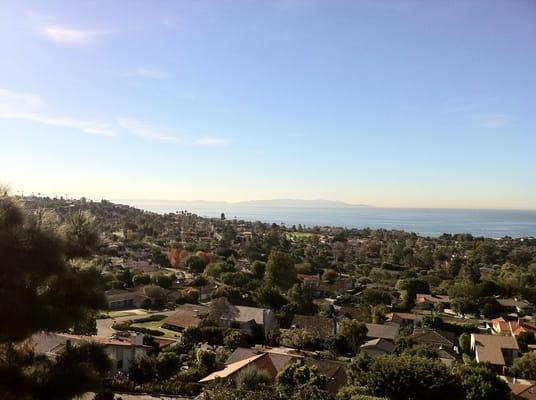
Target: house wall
123,357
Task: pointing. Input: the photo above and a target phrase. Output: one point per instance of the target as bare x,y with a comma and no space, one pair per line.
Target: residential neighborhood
191,305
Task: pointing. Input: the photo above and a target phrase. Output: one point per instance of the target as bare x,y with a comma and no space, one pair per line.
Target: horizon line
343,204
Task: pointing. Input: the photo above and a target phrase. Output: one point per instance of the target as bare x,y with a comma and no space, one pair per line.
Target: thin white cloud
151,132
27,107
150,73
211,141
68,35
476,112
492,120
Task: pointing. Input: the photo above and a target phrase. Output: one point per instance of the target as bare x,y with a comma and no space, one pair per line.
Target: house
351,312
141,266
186,316
274,360
527,392
124,299
435,338
309,281
319,327
404,319
377,347
332,289
499,351
517,306
447,356
500,326
122,350
245,318
321,288
334,371
430,301
521,388
382,331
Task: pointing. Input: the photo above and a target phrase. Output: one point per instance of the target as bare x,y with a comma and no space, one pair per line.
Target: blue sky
386,103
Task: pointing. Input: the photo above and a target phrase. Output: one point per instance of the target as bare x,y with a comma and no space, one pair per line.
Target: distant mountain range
297,203
274,203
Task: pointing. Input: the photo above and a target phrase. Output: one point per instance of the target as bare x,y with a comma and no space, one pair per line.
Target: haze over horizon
387,104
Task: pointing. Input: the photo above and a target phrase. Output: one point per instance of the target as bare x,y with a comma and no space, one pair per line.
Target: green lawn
156,326
117,314
121,313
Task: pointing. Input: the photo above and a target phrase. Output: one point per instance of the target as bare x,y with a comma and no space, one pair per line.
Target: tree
296,376
236,338
228,392
158,297
464,305
168,363
525,366
423,350
252,378
188,295
229,235
143,369
175,256
125,277
141,279
302,297
206,360
234,295
164,281
491,308
329,275
280,270
77,370
312,392
237,279
258,268
374,297
464,297
410,288
269,296
194,264
81,237
378,314
465,343
215,269
405,377
297,338
354,332
40,290
218,308
86,326
481,383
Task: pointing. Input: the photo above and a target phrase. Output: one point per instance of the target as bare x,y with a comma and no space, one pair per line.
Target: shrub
236,338
251,378
525,367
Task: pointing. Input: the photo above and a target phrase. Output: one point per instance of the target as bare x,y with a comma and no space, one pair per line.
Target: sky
385,103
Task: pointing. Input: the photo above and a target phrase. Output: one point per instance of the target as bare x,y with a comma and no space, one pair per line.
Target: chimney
137,339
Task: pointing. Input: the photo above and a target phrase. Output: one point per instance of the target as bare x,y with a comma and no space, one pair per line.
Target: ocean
427,222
